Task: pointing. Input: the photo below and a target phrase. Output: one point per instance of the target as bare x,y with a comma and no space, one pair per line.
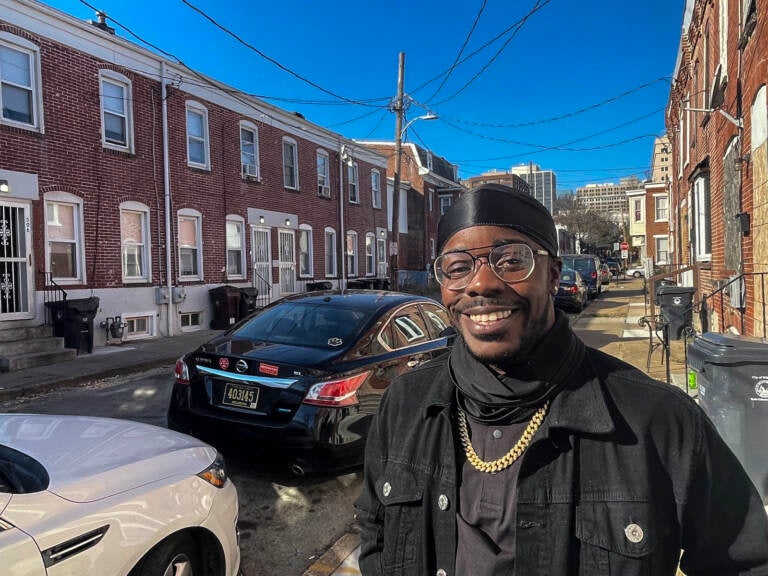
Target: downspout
342,232
167,196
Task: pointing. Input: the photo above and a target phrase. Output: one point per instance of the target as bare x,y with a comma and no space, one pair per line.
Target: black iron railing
739,290
52,292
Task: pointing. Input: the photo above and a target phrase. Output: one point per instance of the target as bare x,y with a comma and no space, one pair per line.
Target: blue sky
509,101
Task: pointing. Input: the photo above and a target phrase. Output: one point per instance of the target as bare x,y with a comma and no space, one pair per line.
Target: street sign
624,246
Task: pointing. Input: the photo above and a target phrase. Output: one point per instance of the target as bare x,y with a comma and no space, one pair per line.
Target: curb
334,556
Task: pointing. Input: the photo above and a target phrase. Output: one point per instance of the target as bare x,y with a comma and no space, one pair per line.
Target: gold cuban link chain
516,451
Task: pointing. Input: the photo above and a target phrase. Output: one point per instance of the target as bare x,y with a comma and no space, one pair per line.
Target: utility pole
398,108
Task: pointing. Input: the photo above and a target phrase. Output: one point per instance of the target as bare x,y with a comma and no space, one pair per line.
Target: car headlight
216,473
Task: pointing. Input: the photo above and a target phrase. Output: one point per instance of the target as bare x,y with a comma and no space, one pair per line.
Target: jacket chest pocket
620,538
401,495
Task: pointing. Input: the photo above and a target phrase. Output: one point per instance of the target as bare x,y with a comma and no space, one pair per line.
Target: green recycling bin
731,373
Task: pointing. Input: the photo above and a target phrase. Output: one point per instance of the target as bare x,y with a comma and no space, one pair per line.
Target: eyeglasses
511,263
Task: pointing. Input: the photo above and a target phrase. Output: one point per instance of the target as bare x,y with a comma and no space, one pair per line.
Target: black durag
515,394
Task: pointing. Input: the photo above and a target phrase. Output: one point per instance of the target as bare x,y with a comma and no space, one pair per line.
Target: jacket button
634,533
441,572
442,502
386,489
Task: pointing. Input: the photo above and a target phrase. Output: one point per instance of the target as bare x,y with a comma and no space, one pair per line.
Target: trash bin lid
720,348
671,289
225,289
83,304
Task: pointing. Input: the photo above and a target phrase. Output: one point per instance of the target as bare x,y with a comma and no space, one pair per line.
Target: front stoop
22,348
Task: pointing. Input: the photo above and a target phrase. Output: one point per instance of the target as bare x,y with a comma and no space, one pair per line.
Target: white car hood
91,458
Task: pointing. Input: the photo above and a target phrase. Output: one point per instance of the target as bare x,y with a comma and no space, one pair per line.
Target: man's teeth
492,317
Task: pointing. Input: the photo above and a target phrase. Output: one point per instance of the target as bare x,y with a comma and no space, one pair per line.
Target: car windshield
580,264
305,324
567,275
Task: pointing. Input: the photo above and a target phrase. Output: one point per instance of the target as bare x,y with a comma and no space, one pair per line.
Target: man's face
501,323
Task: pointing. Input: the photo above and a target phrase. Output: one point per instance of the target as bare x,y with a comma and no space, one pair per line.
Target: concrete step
31,360
25,333
46,344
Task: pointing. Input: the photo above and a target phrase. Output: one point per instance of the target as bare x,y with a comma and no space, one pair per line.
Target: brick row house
429,185
128,177
717,123
648,224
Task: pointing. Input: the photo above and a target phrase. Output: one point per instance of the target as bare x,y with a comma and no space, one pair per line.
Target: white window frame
35,88
149,316
430,161
145,244
759,119
659,199
331,253
432,253
351,255
637,210
723,32
239,222
431,199
197,217
703,222
376,188
687,102
353,182
198,109
126,114
64,198
294,166
445,203
323,173
656,240
189,315
250,167
305,237
370,254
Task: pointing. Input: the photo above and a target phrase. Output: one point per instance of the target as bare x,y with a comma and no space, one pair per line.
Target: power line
461,51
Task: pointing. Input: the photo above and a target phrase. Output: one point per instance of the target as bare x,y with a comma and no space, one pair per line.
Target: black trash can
731,373
319,285
73,321
675,303
225,301
247,305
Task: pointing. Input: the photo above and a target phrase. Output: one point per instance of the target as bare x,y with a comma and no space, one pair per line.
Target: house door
381,257
262,261
16,282
287,242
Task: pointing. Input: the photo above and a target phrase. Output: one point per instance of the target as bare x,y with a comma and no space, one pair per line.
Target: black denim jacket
624,473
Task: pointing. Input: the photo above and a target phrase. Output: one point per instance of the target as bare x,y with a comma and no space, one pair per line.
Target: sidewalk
104,362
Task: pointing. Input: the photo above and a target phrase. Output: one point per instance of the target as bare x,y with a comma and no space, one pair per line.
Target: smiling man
525,452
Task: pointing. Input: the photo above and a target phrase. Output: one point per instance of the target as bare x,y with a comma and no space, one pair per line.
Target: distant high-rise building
542,184
661,163
608,199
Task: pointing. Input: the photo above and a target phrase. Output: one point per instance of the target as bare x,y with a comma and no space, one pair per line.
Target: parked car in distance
589,267
572,291
93,496
636,271
305,375
605,274
614,266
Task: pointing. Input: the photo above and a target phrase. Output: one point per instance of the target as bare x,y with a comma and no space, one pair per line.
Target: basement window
139,327
191,320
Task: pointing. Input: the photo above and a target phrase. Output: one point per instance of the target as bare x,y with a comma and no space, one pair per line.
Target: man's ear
555,267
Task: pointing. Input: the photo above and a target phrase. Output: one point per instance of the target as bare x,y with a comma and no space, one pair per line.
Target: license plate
240,396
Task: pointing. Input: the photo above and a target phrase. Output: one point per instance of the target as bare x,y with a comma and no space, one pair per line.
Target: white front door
287,243
262,261
16,281
381,257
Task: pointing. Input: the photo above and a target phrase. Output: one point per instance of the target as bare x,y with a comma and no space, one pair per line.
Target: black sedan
572,292
305,375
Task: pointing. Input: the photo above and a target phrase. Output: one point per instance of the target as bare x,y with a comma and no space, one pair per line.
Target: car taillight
594,275
341,392
181,372
573,289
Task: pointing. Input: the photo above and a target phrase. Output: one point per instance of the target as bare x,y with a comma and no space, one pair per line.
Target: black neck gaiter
514,396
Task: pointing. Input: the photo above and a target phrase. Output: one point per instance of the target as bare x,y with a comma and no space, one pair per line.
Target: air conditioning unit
324,191
250,171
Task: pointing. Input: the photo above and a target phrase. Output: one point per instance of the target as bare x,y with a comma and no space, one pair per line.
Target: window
134,239
20,93
723,29
370,258
249,150
431,198
662,208
330,252
323,174
376,188
235,231
662,249
116,119
290,164
197,135
429,161
138,326
64,238
431,250
190,320
305,251
687,104
351,253
190,248
445,203
702,223
637,209
353,182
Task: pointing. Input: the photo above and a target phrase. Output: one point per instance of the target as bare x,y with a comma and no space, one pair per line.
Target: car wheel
175,556
636,274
